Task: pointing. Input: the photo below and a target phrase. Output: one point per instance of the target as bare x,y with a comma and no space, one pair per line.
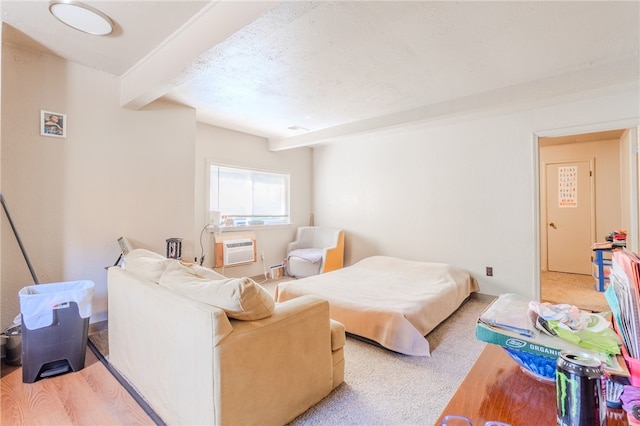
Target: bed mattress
392,301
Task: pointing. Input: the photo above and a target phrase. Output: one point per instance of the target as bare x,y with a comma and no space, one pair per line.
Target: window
246,197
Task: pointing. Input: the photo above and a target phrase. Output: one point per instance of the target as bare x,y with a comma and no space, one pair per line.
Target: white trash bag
37,302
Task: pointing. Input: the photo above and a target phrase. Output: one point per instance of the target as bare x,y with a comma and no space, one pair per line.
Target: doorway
588,164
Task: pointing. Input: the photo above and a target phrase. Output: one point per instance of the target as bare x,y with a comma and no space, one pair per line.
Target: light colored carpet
100,340
574,289
386,388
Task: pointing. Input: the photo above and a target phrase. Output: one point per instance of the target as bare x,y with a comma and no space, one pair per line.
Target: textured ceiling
301,72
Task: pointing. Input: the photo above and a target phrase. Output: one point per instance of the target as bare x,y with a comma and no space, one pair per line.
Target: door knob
553,225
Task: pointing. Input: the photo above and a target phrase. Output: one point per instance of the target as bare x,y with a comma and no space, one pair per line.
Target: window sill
223,229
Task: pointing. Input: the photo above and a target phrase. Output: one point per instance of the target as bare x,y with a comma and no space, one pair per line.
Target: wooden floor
91,396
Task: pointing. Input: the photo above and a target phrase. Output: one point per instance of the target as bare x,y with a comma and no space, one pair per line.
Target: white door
569,216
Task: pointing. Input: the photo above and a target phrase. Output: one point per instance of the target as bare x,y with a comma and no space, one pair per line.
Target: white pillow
146,264
240,298
200,271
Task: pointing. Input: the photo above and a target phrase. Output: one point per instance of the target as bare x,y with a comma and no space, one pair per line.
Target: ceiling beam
618,74
168,64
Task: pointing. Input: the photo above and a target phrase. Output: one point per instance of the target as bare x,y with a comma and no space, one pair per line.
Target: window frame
212,163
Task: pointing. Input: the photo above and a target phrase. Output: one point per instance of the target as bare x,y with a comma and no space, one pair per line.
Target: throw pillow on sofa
200,271
240,298
146,264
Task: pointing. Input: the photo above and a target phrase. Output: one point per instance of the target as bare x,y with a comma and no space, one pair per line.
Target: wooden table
497,389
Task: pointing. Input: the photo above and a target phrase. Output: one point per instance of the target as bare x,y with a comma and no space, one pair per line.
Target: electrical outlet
489,271
262,256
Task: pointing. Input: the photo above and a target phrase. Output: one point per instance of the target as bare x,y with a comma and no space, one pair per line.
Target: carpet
574,289
100,340
386,388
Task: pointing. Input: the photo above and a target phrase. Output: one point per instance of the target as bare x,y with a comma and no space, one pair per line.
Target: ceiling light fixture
81,17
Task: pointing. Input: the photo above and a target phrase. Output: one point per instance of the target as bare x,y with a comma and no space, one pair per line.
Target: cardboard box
540,344
543,345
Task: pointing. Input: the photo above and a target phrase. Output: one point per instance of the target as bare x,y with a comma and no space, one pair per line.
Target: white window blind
248,197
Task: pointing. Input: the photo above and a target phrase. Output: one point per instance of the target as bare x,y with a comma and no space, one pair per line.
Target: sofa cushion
240,298
338,335
146,264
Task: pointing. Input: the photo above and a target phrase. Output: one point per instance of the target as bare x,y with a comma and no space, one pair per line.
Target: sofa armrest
304,239
273,369
292,246
297,244
338,340
334,256
163,343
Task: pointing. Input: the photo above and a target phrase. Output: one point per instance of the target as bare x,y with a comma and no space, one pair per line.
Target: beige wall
461,190
629,184
608,196
138,174
118,172
240,149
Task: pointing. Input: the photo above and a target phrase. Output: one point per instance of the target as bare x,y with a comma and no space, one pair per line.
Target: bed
391,301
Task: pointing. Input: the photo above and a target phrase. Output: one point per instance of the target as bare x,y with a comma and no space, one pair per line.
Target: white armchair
316,249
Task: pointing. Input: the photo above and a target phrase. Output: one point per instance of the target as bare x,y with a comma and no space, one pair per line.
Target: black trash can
55,325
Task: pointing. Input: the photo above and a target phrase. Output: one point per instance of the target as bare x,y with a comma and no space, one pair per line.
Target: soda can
579,391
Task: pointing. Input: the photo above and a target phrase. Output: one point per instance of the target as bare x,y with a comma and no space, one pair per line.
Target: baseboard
483,297
98,326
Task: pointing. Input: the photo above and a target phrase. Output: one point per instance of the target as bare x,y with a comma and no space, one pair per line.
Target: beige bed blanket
394,302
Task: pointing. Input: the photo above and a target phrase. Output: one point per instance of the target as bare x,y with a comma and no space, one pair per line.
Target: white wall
629,155
460,190
240,149
118,172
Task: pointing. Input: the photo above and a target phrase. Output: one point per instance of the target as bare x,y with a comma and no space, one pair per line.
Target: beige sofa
196,365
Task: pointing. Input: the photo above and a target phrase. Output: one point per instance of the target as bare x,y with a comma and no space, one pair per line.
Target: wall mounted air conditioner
239,251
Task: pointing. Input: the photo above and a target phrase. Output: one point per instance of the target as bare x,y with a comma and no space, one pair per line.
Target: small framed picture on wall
53,124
